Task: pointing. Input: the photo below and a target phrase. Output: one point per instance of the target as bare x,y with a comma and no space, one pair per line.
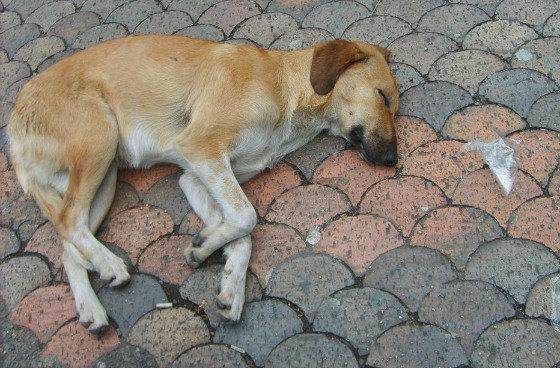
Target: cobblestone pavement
425,265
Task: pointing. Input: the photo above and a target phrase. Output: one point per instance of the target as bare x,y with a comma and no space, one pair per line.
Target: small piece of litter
313,236
239,350
295,44
523,55
164,305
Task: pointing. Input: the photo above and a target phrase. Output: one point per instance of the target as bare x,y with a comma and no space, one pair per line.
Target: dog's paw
92,314
111,268
231,298
191,257
198,240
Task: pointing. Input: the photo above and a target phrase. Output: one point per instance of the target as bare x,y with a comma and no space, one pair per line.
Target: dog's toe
98,330
191,259
198,240
222,305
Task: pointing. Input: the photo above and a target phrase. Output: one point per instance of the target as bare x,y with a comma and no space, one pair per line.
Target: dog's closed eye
385,99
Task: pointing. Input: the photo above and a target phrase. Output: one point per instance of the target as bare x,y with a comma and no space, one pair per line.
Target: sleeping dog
221,112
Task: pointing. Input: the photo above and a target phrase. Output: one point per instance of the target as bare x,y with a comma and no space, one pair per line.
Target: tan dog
221,112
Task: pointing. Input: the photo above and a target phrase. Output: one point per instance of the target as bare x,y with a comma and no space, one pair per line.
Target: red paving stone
45,241
403,200
165,259
480,189
191,224
3,162
348,172
142,180
44,310
554,184
538,220
412,133
358,240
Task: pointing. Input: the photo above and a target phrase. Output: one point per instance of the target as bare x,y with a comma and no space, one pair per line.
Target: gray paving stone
545,113
195,8
552,26
301,38
263,29
465,309
3,56
434,102
23,216
55,58
453,20
72,25
306,280
517,344
126,356
489,6
263,325
202,288
5,109
9,243
501,37
543,298
311,351
103,7
8,20
359,315
38,50
167,195
15,37
516,88
21,275
126,305
545,57
11,72
133,13
210,356
204,31
420,50
532,12
166,333
406,76
297,9
13,90
411,11
466,68
125,198
335,17
512,264
98,34
26,7
167,22
418,346
377,30
227,14
410,273
20,347
48,14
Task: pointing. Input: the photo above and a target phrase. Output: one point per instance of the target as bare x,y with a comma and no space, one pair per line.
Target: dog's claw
221,305
98,330
191,259
198,240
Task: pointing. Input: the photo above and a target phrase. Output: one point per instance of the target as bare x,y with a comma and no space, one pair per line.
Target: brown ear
386,53
330,60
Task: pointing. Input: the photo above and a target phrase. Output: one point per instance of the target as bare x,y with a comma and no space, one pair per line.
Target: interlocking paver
543,298
143,180
13,90
191,224
516,344
48,14
38,50
133,13
168,195
412,133
411,11
501,37
45,241
126,356
453,20
21,275
406,76
22,215
8,20
263,325
204,31
210,356
554,183
538,220
552,25
12,72
54,59
359,315
15,37
165,259
418,345
530,12
20,347
301,38
543,57
71,26
195,8
297,9
335,17
545,112
489,6
102,7
227,14
167,22
25,7
100,33
263,29
9,243
410,273
125,199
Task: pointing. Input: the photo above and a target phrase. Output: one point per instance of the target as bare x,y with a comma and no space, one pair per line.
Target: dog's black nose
391,158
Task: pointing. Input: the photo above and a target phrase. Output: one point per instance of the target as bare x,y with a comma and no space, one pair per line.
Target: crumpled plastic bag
499,155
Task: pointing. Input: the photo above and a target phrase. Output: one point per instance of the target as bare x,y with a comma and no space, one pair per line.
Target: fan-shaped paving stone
45,241
335,17
410,273
13,90
263,325
191,224
264,188
466,68
530,12
227,14
512,264
306,280
9,243
74,24
126,356
543,298
126,305
98,34
194,7
377,30
419,346
301,38
545,113
402,200
443,162
358,240
204,31
501,37
125,199
48,14
168,195
133,13
22,215
272,244
311,351
489,6
454,20
516,88
210,356
538,152
412,133
142,180
167,22
20,347
166,333
411,11
8,20
265,28
539,220
313,153
420,50
306,207
456,232
297,9
103,7
25,7
133,230
406,76
554,184
480,189
12,72
15,37
76,347
482,123
39,49
21,275
55,59
545,57
44,310
3,57
348,172
359,315
203,286
517,344
465,309
434,102
552,25
165,259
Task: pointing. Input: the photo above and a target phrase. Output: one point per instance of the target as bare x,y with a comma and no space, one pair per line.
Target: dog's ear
330,60
386,53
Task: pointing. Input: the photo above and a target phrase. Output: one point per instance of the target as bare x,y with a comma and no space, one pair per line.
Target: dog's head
364,96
